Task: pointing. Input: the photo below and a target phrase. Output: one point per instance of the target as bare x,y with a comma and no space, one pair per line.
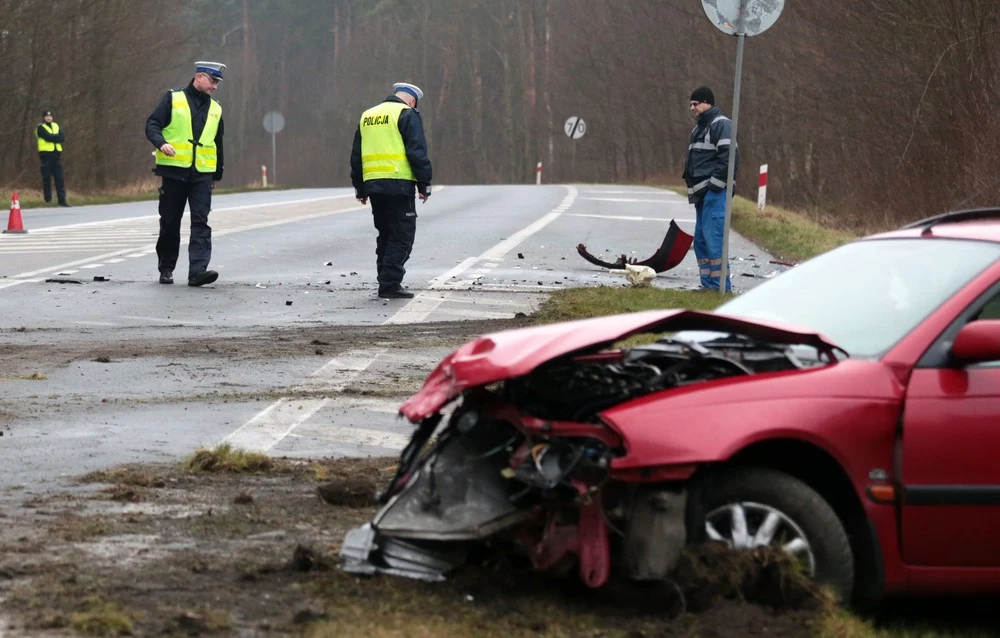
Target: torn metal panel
367,553
458,494
675,245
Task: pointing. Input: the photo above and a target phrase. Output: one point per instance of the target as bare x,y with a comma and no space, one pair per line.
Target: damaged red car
846,411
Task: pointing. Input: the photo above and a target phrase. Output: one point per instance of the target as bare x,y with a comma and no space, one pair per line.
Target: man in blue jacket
706,170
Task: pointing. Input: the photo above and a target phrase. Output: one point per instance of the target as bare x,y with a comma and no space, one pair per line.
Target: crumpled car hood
513,353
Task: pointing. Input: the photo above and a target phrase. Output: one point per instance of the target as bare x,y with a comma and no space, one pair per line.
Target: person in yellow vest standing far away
388,163
186,129
50,145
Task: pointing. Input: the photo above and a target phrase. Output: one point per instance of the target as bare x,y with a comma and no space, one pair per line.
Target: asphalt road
84,281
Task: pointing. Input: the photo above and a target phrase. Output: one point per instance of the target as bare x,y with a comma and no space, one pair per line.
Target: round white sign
575,127
274,122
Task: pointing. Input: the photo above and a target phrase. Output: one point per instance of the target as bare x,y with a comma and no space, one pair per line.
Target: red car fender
860,436
849,411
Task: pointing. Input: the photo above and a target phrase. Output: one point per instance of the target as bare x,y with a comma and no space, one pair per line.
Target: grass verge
583,303
786,234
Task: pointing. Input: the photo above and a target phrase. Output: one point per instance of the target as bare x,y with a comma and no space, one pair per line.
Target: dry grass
837,623
102,618
582,303
226,458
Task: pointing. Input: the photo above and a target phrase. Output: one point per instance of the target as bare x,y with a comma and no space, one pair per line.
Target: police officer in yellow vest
186,129
388,163
50,141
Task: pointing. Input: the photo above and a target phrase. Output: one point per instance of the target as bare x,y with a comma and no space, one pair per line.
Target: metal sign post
575,128
274,122
740,18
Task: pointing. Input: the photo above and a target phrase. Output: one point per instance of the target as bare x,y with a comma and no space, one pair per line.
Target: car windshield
865,296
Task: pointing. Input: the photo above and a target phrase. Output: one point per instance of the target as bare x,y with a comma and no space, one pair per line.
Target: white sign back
760,14
274,122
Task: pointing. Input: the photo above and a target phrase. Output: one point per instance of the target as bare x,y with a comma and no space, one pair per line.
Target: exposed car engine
577,389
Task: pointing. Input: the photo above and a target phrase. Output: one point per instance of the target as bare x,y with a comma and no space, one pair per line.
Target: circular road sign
760,14
274,122
575,127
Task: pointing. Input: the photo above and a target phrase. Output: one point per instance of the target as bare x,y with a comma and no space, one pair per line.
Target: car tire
765,491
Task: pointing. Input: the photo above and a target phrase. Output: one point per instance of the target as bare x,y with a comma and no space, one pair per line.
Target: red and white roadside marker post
762,187
263,175
538,173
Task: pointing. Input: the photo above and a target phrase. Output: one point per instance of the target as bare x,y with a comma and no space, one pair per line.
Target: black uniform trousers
174,194
52,169
396,222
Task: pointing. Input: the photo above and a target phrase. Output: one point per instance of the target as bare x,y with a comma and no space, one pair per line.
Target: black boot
395,292
202,278
166,277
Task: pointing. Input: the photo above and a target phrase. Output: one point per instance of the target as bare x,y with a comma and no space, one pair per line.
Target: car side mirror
977,341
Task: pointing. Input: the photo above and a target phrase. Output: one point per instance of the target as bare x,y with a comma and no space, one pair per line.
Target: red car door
951,455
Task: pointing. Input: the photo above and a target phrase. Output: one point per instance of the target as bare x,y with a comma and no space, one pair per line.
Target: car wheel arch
820,470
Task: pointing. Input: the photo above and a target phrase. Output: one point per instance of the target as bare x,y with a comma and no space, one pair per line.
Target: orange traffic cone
14,223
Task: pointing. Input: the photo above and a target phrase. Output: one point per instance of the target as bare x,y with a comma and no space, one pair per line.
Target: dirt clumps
357,489
187,559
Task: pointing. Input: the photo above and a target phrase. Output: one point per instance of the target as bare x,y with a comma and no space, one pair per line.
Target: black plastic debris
100,278
288,303
520,255
62,280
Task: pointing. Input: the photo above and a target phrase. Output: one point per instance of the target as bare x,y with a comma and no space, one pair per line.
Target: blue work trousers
708,230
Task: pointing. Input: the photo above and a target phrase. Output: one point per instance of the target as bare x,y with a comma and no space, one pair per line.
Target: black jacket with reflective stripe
707,163
411,127
160,119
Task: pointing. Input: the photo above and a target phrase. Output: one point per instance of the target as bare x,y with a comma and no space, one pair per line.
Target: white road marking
150,246
355,436
278,420
418,309
214,210
629,218
274,423
633,192
630,200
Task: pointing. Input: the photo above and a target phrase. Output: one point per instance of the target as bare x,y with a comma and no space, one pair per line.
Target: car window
867,295
990,311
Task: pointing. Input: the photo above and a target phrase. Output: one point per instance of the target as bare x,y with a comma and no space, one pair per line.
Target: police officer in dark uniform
388,164
50,140
186,129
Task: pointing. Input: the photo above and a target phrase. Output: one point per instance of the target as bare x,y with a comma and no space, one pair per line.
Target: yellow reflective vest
180,132
45,146
383,153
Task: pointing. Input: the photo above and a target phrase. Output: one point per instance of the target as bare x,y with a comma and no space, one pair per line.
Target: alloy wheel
749,525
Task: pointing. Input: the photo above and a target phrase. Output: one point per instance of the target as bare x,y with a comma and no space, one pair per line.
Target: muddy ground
26,351
166,550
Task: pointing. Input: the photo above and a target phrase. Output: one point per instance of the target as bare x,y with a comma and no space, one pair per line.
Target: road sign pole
274,123
740,40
